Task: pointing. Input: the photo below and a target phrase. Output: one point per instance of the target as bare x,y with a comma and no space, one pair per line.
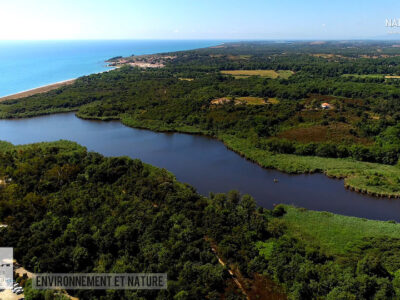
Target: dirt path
237,282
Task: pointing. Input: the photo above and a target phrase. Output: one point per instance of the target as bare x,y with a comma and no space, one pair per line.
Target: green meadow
335,234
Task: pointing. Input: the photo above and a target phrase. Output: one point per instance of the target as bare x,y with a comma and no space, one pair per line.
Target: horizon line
208,39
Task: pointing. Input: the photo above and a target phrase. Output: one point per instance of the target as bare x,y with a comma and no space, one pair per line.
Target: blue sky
195,19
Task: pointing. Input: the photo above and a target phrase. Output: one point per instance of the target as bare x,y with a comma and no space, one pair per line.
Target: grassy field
335,233
273,101
263,73
285,74
239,57
251,100
359,176
245,73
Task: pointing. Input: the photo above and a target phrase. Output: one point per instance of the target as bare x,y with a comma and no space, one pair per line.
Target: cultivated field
250,100
262,73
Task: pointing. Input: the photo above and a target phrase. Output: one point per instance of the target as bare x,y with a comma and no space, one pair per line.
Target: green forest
297,107
69,210
278,115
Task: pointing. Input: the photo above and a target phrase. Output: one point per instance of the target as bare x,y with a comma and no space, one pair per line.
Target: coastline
49,87
38,90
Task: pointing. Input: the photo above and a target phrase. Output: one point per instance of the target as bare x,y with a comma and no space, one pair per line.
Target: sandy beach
47,88
42,89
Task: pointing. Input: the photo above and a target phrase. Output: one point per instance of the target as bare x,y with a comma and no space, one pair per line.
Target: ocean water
26,65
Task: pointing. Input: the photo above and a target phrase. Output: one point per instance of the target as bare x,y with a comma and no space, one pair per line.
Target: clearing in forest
263,73
250,100
239,100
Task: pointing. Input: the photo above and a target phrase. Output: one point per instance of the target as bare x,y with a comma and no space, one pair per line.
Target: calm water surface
202,162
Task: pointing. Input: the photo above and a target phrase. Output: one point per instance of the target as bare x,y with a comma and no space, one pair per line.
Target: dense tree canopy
70,210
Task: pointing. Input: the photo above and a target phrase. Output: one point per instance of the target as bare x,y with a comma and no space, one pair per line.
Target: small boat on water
276,180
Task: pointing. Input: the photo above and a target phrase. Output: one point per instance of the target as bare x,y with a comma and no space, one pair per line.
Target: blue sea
26,65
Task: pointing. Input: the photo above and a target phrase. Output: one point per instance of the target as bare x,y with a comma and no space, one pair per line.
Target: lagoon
202,162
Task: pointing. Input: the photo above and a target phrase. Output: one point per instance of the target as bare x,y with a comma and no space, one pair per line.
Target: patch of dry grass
392,77
250,101
240,100
239,57
262,73
273,101
285,74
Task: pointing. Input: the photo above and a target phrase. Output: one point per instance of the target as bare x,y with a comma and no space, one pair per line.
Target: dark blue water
29,64
204,163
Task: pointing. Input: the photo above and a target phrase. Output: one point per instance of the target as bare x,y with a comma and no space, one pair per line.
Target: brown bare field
186,79
263,288
38,90
337,132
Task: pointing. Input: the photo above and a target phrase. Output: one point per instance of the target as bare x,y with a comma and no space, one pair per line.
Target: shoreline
38,90
55,85
48,87
229,144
